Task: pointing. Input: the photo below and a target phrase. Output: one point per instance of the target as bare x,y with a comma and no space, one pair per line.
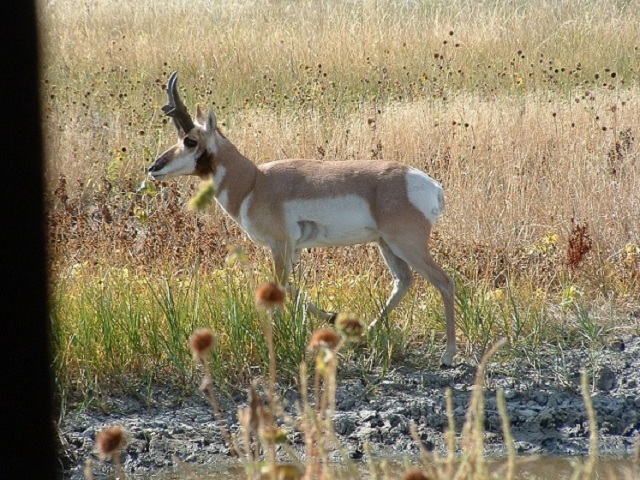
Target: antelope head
196,144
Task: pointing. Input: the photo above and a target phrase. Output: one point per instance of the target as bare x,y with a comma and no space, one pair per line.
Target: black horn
175,108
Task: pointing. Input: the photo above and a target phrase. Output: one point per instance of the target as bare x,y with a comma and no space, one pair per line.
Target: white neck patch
219,176
222,196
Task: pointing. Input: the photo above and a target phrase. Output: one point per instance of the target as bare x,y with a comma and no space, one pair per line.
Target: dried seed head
415,474
203,198
274,434
349,326
255,407
281,472
110,441
324,338
270,296
201,342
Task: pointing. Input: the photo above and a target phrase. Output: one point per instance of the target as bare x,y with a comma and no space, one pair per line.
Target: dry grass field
527,112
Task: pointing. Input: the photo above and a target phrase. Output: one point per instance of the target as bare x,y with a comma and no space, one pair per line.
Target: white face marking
425,194
184,164
343,220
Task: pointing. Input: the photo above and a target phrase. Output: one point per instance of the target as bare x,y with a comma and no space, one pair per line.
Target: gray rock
509,394
344,425
606,379
369,434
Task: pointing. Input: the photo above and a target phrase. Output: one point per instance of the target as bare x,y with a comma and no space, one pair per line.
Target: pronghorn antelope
288,205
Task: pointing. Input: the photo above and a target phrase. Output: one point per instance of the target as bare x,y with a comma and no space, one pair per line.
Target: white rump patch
425,194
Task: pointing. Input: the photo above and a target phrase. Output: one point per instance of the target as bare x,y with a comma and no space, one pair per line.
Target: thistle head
110,441
201,342
416,474
324,338
270,297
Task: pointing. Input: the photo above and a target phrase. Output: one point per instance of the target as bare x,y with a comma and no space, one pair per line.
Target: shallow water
528,468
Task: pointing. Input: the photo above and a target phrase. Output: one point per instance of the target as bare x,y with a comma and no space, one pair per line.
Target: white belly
338,221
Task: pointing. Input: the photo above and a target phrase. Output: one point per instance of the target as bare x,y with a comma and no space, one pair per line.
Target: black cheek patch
204,165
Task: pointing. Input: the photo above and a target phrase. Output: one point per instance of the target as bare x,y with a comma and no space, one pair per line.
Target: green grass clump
119,330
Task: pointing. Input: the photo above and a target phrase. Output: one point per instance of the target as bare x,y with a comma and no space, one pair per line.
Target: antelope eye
190,142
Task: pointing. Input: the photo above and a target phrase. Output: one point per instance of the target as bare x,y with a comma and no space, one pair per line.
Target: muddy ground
542,392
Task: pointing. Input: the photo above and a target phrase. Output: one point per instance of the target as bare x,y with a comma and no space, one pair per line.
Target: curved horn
175,108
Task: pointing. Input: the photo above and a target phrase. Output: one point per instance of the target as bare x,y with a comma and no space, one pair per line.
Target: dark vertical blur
26,432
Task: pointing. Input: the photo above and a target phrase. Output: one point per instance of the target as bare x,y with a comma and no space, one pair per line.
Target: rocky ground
542,393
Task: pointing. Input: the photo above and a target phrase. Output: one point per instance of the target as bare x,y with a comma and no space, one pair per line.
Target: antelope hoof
447,360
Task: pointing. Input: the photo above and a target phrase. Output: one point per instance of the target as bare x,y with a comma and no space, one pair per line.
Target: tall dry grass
235,43
490,134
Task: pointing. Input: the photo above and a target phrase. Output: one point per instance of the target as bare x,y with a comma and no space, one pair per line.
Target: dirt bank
543,399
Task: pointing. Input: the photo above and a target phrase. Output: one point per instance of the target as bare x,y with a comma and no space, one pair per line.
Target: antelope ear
212,122
200,116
